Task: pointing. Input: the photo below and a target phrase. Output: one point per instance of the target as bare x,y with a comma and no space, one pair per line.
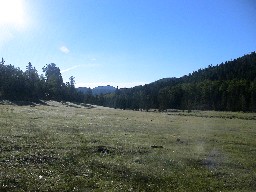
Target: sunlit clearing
12,13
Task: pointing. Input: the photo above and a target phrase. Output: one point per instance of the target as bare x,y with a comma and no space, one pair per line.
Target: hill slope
228,86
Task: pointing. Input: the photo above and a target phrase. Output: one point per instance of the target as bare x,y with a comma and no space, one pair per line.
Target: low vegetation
55,146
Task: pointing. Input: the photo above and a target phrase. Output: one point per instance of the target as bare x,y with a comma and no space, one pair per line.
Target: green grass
67,147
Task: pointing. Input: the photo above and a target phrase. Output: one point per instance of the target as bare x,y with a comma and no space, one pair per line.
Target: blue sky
125,42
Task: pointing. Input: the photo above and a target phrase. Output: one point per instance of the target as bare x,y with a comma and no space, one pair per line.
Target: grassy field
69,147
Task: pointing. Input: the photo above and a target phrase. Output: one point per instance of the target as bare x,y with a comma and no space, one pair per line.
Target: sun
12,13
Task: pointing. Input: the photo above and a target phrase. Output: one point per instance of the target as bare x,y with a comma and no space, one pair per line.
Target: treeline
17,85
229,86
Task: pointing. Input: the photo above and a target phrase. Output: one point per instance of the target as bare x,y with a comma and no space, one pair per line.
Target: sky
125,42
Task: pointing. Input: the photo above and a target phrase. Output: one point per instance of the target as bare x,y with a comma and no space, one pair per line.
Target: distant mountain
103,90
97,90
84,90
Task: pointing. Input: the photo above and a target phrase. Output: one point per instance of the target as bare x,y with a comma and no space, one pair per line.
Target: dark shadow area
23,103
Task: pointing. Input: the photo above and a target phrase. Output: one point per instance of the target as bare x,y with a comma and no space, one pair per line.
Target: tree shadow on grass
27,103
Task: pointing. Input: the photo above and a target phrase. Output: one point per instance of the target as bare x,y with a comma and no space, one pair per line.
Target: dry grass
69,147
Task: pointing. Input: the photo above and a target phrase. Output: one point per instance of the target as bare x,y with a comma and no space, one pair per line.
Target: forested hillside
229,86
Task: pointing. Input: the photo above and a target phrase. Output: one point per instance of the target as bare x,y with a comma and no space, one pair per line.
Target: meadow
56,146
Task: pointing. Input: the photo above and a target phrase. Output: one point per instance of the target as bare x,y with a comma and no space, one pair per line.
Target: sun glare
12,13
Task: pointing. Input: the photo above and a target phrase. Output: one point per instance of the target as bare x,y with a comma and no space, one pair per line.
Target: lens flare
12,13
